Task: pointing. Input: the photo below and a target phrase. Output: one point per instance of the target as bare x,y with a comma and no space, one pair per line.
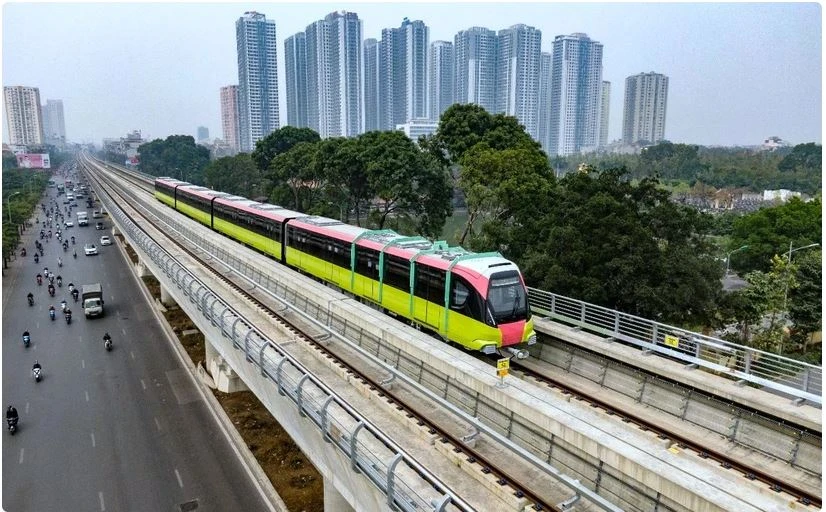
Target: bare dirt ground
292,475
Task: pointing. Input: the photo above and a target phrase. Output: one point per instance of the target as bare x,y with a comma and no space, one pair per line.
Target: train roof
171,181
437,254
200,191
266,210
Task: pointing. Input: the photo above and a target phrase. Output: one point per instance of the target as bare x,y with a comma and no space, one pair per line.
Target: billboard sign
33,160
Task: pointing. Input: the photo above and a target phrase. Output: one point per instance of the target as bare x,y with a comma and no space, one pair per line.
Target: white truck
91,297
83,218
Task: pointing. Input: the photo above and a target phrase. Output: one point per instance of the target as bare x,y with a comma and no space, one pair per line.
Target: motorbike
107,343
59,282
23,252
68,316
65,247
12,424
41,252
75,294
26,340
51,314
31,300
37,373
36,258
74,254
39,280
59,262
51,290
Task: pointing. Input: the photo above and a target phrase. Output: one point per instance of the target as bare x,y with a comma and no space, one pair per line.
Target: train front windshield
507,298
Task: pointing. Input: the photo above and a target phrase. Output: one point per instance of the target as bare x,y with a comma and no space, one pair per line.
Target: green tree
293,173
176,156
602,239
280,141
769,231
346,188
234,174
805,299
411,188
807,157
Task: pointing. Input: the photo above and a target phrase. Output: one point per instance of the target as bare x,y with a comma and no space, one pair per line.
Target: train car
257,225
165,189
476,300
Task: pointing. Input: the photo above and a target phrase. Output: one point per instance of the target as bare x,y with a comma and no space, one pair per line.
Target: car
105,240
99,226
68,223
90,249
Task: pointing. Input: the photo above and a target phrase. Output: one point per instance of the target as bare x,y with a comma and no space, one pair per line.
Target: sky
738,72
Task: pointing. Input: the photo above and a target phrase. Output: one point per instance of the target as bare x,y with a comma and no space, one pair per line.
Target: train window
430,283
397,272
464,298
367,261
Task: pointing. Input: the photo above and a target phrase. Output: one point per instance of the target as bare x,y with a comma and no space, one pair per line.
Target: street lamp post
728,256
8,203
789,263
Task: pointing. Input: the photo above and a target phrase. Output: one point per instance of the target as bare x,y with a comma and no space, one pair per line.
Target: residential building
415,128
54,126
257,78
295,70
517,75
403,84
229,117
544,109
370,100
23,115
333,47
203,134
604,113
576,94
475,76
646,97
442,69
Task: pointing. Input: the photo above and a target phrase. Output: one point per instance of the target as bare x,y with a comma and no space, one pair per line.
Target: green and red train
477,300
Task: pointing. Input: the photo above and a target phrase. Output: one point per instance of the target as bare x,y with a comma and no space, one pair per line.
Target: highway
119,430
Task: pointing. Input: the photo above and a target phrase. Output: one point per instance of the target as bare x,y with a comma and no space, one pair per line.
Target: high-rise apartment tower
370,100
229,117
475,57
403,85
442,69
23,116
605,112
544,110
646,96
257,78
517,75
334,75
54,125
295,70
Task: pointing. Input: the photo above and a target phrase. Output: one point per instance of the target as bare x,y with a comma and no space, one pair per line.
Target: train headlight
532,339
489,349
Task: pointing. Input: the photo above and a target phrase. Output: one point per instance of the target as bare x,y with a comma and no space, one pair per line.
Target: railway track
682,442
483,463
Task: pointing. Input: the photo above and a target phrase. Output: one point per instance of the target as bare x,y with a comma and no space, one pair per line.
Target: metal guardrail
800,380
370,451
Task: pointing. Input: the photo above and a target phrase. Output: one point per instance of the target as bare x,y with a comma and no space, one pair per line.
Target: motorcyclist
26,335
36,258
63,305
36,370
59,281
73,240
51,289
51,278
39,279
11,415
107,340
75,293
74,253
68,315
71,286
23,252
30,297
59,261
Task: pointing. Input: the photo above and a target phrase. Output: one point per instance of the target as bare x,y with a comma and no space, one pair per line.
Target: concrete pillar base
142,270
225,378
166,298
333,500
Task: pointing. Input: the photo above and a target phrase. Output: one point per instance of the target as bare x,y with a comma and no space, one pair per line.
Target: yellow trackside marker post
502,368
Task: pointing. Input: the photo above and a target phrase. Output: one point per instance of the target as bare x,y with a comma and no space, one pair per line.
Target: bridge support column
226,380
333,500
166,298
142,269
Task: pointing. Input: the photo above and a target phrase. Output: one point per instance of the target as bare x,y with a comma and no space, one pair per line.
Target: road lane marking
93,439
132,354
143,384
27,407
100,496
180,482
87,395
21,457
83,363
123,331
158,424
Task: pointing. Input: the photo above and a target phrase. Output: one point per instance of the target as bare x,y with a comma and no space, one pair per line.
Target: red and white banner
33,160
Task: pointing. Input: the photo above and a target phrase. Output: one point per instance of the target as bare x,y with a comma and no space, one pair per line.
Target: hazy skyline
738,73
